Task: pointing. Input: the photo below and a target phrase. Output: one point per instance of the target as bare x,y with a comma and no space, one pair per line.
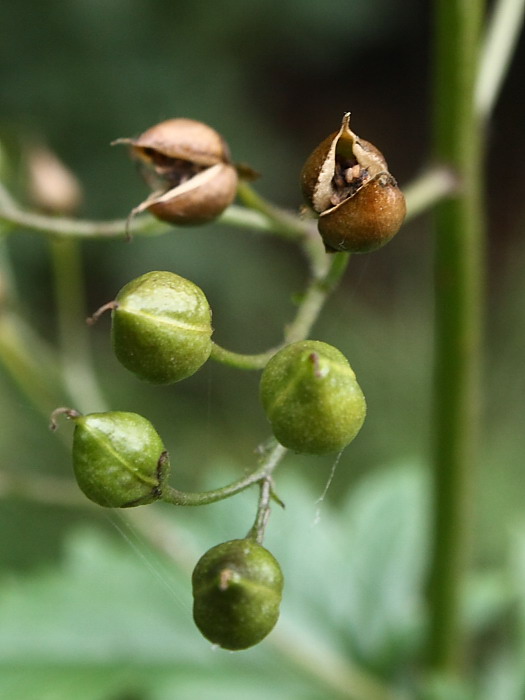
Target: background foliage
84,603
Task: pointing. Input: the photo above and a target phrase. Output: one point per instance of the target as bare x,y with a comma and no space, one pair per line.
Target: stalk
459,271
75,357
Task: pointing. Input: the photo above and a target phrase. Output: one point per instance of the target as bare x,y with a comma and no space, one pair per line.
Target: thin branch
432,186
258,528
240,360
13,214
269,461
264,218
314,298
499,46
337,673
75,356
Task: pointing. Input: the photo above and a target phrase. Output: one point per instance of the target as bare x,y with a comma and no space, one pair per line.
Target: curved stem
314,298
270,460
202,498
285,224
242,361
12,213
263,217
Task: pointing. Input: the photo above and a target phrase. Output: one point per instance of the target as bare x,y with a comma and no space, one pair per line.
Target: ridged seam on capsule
102,438
243,583
166,321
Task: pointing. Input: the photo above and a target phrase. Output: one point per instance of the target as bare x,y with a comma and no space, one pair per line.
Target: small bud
347,183
237,589
187,164
52,186
311,397
118,458
161,328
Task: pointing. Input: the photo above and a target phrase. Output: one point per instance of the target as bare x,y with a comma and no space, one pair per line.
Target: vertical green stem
76,361
459,258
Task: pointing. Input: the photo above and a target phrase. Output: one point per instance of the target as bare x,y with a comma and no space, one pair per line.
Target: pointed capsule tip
118,142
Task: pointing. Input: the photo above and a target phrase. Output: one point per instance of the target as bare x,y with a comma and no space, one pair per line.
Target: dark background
274,78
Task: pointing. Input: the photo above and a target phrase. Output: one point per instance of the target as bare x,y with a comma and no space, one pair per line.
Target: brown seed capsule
187,164
347,183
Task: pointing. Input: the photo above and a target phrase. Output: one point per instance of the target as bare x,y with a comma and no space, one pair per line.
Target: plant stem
30,363
459,261
62,227
286,224
264,217
240,360
77,370
269,462
258,528
312,302
428,189
500,41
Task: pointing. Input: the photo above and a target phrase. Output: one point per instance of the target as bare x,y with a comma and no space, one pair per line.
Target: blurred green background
274,78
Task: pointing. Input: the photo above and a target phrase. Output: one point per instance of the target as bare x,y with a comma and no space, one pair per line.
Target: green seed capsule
237,588
119,459
162,327
311,397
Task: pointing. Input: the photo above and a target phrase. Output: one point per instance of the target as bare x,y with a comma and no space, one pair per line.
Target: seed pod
161,327
52,185
187,164
237,589
347,183
118,458
311,397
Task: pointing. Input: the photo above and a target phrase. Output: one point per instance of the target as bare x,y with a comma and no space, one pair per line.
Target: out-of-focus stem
75,356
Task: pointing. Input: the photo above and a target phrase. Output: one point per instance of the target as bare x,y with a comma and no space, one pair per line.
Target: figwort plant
162,324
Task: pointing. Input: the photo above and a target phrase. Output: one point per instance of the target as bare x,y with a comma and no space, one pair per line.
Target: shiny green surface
311,398
116,459
237,588
162,327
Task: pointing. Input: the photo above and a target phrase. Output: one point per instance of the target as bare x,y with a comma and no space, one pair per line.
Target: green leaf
358,574
116,616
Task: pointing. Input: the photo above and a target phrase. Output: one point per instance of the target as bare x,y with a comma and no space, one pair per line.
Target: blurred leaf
502,678
123,615
382,544
439,688
487,597
102,626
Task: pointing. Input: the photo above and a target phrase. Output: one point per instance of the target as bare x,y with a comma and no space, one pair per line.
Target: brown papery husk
319,170
197,201
183,138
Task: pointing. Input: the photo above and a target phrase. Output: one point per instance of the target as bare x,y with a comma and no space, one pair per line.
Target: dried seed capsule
237,589
187,164
347,183
162,327
311,398
118,458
